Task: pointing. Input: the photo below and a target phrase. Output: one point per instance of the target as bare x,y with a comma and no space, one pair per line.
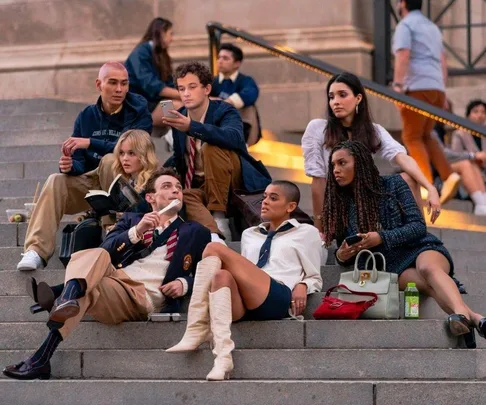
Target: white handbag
384,284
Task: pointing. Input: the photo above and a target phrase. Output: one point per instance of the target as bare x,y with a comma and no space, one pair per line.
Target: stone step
16,307
281,364
40,106
33,122
425,334
234,392
25,154
9,257
190,392
35,137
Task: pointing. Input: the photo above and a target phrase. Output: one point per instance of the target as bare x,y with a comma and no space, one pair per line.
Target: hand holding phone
167,105
353,239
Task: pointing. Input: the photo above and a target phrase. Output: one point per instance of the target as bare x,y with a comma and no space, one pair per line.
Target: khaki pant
423,147
63,194
222,173
111,297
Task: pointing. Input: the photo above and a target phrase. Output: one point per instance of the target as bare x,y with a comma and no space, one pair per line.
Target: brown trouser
222,173
63,194
423,147
111,297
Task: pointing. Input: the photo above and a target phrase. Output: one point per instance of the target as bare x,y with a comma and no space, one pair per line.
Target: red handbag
335,308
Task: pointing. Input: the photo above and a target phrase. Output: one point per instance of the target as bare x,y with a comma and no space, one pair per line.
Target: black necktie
265,249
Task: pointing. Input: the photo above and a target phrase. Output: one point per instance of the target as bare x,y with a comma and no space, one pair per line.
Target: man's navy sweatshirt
104,130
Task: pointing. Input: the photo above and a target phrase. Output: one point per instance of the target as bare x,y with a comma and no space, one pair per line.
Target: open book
120,197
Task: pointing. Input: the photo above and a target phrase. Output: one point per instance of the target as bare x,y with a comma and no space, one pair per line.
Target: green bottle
411,302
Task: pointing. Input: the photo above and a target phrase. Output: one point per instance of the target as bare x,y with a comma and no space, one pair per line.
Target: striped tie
148,237
171,245
190,162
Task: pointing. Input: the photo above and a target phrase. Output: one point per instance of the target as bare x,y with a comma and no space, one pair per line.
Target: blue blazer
143,74
244,85
222,127
403,230
193,238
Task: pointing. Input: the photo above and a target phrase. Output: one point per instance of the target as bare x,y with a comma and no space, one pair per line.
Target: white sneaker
223,226
30,261
450,187
169,138
480,209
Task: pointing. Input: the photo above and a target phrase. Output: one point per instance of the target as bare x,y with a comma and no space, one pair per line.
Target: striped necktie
265,249
171,245
191,155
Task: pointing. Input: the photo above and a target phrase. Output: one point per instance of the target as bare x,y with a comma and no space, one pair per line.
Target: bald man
86,161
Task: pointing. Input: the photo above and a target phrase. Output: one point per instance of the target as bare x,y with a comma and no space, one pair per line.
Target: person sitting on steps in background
86,161
144,265
240,90
150,68
349,117
279,265
464,141
383,211
209,149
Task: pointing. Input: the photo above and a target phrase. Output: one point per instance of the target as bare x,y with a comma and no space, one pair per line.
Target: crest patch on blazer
187,262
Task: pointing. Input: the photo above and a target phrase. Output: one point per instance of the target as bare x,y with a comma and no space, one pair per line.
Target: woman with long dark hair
349,117
150,68
383,212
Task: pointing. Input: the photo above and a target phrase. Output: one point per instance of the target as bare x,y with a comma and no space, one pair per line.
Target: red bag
335,308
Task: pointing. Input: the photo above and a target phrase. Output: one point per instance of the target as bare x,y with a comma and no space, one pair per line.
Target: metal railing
216,30
384,14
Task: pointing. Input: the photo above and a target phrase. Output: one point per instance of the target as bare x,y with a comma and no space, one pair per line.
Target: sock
478,198
45,352
72,290
57,290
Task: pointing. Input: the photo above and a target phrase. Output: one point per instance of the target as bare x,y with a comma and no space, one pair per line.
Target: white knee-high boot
197,329
221,319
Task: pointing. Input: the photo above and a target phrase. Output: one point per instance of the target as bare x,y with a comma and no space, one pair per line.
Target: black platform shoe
482,328
458,324
42,294
470,339
25,371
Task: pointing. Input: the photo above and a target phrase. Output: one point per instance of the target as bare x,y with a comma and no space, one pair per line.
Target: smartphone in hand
353,239
167,105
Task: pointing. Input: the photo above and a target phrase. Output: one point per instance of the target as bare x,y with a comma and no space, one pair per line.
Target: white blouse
316,156
295,255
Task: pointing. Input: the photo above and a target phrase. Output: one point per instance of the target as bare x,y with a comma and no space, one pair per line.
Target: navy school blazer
193,238
222,127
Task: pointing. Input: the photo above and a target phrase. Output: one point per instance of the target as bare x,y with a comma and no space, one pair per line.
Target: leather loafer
25,371
458,324
61,311
45,296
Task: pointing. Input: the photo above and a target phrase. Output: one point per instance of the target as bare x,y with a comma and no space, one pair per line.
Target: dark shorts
276,305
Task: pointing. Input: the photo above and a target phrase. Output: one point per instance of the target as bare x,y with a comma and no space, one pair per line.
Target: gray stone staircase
360,362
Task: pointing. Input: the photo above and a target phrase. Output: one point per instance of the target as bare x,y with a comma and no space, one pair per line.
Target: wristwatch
396,84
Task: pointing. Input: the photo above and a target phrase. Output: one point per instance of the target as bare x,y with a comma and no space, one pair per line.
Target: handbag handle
382,258
344,287
374,272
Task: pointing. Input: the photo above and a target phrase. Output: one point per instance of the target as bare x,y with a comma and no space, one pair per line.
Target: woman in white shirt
279,266
349,118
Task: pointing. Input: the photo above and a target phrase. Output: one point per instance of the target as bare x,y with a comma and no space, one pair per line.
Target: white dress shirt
295,255
151,270
316,155
198,160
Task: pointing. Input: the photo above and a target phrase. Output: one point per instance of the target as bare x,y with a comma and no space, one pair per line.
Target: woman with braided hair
348,117
382,210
